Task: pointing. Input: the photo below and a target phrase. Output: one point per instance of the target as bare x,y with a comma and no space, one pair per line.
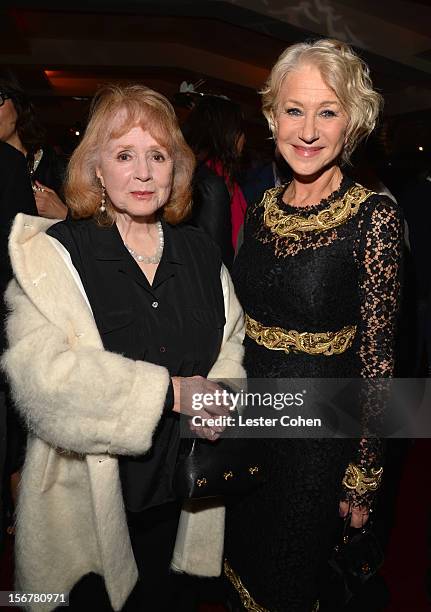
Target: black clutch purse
213,469
356,559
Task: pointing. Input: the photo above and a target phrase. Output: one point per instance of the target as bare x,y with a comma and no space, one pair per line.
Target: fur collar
43,276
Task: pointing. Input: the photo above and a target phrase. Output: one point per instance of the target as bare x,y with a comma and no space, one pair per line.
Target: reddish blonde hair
140,106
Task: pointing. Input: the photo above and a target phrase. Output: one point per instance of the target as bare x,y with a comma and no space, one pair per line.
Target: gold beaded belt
279,339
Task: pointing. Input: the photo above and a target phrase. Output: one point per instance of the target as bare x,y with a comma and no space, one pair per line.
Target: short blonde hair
342,70
140,106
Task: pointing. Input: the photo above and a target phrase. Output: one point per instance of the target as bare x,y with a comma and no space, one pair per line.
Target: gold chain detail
279,339
293,225
246,599
357,480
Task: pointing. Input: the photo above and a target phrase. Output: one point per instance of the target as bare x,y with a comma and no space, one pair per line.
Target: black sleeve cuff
169,400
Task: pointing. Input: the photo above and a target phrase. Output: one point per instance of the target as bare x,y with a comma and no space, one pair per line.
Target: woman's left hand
360,514
48,203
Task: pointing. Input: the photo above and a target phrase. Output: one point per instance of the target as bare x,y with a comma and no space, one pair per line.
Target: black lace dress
332,268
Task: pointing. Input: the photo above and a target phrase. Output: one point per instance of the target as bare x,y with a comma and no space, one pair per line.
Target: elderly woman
111,313
326,258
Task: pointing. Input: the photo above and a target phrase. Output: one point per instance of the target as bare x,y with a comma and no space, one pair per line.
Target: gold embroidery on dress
320,343
360,481
287,225
247,600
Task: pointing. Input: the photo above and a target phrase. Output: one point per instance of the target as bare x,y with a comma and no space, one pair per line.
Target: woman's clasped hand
216,402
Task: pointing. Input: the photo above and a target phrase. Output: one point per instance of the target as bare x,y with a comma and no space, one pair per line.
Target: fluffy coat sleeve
229,361
81,398
76,396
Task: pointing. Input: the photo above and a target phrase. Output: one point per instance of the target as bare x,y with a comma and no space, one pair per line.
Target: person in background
15,196
415,200
318,276
20,128
214,132
119,314
258,180
271,174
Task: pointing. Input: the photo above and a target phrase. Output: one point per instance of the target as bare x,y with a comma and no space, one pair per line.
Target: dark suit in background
416,203
211,210
16,195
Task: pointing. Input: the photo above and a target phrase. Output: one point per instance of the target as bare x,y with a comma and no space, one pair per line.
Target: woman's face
310,122
8,117
137,173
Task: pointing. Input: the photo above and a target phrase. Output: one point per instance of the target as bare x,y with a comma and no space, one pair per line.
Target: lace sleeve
379,256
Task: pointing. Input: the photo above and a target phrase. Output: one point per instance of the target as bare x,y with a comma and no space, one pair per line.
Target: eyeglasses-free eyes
4,97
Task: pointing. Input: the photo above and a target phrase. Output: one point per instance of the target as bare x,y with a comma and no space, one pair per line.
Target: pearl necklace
152,259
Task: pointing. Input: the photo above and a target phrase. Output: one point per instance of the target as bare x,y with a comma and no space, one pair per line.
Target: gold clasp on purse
201,482
228,475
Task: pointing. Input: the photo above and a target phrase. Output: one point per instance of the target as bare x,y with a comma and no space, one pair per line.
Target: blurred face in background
8,117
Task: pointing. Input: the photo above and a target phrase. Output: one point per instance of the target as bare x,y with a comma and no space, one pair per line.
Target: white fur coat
84,406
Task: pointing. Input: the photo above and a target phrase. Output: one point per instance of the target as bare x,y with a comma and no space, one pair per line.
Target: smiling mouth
142,194
306,151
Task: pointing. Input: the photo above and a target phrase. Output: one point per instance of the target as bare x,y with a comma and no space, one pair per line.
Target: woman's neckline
334,195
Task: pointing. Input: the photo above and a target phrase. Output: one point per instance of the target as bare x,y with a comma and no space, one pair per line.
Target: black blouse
177,322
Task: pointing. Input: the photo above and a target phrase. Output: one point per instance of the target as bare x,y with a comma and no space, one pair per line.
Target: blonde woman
326,257
111,312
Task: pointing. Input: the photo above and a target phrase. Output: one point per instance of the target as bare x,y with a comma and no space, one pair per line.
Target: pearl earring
102,206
